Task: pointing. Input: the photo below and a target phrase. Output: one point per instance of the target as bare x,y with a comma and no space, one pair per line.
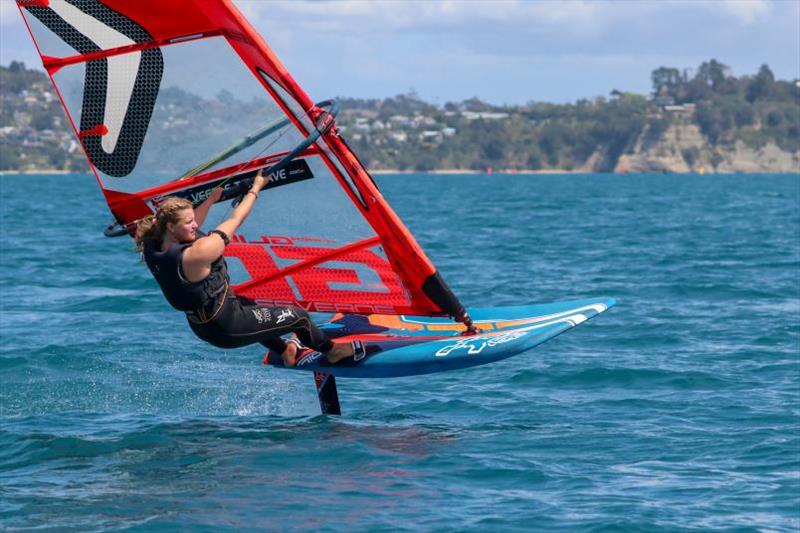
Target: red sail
175,97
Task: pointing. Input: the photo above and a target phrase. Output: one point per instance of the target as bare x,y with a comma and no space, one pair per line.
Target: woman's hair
152,228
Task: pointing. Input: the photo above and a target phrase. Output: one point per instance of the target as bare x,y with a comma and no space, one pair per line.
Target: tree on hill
712,73
665,80
760,87
477,105
405,104
16,78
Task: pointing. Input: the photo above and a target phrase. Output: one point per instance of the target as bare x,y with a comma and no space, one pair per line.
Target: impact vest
188,296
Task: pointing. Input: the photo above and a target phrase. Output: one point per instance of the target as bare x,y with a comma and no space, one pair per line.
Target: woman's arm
242,210
197,258
201,211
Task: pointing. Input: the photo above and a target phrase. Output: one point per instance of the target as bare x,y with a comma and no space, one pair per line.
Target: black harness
201,300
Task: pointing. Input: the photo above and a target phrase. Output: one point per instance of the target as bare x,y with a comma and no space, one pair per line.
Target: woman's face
185,229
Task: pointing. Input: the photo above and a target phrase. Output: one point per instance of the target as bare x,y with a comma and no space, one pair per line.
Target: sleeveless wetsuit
221,318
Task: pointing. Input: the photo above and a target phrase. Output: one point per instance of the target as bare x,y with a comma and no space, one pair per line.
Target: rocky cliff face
683,148
769,158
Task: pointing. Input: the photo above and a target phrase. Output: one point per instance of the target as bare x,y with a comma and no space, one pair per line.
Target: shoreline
440,171
376,171
556,171
380,171
472,172
47,171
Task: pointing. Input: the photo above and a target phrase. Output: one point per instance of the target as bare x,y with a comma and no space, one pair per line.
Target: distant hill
706,121
34,131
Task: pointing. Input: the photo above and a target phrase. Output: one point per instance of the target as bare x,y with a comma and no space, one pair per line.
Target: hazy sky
502,51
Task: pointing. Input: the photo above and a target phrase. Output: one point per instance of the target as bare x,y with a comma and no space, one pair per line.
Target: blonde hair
154,227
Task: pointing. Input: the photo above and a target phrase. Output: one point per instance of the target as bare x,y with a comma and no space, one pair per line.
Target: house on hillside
430,137
484,115
663,101
682,109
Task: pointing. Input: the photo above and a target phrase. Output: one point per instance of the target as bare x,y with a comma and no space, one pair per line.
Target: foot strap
296,342
359,350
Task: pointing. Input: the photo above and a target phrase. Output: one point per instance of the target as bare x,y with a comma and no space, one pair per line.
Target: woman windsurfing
191,271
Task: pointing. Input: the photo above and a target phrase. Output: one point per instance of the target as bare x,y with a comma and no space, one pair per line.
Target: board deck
411,345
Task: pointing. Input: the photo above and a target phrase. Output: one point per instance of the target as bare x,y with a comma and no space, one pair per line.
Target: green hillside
406,133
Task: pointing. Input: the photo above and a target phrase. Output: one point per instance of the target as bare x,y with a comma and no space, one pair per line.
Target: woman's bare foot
356,349
339,352
289,355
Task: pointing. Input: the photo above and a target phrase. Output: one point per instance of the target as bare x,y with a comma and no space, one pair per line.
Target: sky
501,51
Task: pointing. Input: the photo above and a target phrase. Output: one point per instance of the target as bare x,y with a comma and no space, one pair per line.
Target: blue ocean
676,410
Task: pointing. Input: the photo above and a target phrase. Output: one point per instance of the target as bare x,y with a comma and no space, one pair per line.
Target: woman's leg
254,323
246,323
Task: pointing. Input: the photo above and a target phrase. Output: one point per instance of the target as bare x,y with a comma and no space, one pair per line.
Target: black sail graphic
119,159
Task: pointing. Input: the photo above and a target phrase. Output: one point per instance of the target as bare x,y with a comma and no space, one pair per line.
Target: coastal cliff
683,148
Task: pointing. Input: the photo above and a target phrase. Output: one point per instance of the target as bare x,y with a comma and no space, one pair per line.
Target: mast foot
472,329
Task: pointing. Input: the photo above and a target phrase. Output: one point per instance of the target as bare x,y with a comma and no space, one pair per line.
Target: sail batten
54,63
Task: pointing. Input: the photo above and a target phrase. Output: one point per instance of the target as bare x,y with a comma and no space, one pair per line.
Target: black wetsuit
221,318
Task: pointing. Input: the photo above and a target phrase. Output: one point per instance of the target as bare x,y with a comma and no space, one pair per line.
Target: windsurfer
191,271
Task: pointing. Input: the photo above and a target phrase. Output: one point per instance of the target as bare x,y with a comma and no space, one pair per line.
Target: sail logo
355,280
120,90
201,196
278,176
297,170
232,186
476,345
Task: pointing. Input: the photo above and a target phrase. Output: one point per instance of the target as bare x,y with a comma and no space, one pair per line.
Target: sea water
676,410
